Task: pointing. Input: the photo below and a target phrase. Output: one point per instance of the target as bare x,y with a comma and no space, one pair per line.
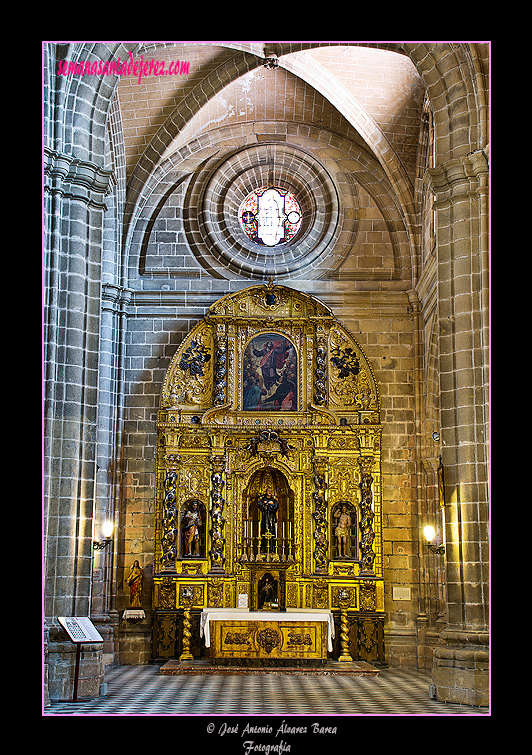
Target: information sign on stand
80,629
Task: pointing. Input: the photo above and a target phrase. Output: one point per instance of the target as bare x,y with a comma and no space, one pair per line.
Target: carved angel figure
253,446
285,447
194,359
345,361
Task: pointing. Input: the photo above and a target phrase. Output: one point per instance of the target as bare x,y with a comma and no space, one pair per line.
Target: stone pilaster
460,186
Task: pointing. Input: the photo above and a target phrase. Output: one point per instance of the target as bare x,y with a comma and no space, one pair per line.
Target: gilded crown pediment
270,301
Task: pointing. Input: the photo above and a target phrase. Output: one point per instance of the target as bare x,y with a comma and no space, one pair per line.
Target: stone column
74,195
108,476
460,670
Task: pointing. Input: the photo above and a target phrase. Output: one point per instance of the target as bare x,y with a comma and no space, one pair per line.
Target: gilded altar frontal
268,490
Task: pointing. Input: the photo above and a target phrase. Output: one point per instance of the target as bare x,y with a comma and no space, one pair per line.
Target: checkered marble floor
142,690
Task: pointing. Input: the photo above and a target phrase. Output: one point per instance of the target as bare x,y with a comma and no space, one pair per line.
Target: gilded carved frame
332,449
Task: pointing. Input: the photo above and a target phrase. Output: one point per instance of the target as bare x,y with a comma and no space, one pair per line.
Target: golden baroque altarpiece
268,477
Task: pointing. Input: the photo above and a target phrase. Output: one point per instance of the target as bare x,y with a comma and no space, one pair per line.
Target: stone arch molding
453,74
438,64
211,220
431,61
160,147
211,181
310,71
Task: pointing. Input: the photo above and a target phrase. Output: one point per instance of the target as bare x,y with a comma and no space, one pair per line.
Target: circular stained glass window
271,216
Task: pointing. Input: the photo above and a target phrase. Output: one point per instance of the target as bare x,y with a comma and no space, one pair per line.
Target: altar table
288,636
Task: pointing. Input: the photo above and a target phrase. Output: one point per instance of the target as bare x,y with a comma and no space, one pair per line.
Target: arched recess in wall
87,100
211,180
90,99
455,78
212,224
315,74
157,151
425,58
84,104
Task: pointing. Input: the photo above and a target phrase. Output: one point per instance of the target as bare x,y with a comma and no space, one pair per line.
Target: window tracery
271,216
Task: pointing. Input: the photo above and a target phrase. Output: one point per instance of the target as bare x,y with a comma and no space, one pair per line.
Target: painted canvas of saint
269,374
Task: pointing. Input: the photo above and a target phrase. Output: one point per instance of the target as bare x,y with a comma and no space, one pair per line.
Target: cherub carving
194,359
346,362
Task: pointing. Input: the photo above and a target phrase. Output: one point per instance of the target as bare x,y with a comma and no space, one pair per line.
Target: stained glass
271,216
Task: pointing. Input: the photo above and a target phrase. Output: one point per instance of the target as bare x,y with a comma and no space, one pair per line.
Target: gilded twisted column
220,372
170,534
320,384
320,515
366,518
217,519
344,598
186,598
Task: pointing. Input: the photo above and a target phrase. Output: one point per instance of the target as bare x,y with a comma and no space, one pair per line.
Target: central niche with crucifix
267,542
268,481
268,514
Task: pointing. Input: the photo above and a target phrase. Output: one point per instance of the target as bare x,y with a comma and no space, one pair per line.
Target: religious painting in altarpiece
268,476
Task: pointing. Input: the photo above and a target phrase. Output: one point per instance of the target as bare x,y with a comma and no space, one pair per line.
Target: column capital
68,176
115,298
458,177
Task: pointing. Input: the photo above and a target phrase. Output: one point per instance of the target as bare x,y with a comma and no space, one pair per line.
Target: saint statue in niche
191,529
270,374
268,592
342,531
268,506
134,580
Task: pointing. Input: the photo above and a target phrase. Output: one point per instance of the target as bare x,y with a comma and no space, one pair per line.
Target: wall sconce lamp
430,534
107,531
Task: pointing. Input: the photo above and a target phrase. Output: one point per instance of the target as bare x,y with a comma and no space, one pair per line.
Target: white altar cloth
242,614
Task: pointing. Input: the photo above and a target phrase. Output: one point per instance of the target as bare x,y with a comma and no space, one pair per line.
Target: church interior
266,362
